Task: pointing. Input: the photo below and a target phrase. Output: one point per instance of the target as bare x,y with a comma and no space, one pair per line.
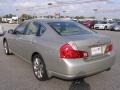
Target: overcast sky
107,8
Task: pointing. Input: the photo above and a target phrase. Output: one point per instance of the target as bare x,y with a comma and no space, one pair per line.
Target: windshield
69,28
101,22
111,22
118,23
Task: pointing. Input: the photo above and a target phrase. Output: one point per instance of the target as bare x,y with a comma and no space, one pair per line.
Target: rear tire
111,29
39,68
105,28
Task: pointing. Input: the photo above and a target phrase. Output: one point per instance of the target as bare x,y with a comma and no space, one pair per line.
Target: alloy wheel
38,67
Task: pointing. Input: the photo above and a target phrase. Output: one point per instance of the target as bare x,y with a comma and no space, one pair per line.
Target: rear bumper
81,68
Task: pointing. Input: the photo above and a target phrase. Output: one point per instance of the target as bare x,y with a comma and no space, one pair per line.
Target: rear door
33,31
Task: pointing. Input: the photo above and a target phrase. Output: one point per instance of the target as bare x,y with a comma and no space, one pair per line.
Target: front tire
92,27
39,68
6,48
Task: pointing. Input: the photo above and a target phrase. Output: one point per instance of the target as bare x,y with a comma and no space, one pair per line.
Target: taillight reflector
109,48
66,51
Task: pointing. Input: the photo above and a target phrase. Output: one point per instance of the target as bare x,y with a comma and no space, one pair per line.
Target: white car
103,25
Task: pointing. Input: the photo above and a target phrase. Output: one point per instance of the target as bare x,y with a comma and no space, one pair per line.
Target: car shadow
80,84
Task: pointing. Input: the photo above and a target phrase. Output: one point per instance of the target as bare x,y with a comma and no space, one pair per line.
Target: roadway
16,74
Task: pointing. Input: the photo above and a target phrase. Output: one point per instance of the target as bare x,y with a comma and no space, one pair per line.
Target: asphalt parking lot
16,74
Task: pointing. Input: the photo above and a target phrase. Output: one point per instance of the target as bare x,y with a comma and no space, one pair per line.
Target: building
10,20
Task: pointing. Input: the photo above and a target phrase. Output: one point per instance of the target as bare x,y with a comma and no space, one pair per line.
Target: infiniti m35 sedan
60,48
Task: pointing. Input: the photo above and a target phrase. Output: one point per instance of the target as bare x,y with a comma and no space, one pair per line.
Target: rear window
70,28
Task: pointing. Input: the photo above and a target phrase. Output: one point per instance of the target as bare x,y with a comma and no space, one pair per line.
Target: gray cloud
72,7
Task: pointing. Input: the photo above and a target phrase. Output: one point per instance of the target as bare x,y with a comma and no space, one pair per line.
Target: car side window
21,28
42,30
32,29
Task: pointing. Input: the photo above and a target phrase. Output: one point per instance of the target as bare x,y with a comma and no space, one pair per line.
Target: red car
89,23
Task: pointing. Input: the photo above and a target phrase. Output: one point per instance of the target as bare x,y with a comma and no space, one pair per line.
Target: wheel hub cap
38,68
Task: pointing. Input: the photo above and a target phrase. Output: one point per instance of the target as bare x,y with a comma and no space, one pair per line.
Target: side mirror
11,31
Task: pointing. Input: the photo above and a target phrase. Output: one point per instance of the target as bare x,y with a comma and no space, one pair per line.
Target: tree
25,17
104,18
93,17
61,16
8,16
79,17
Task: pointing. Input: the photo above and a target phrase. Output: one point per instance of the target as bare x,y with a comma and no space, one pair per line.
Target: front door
15,41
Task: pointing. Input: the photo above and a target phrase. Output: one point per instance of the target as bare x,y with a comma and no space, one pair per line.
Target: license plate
96,50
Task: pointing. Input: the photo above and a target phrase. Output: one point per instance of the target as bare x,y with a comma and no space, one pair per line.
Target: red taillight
66,51
109,48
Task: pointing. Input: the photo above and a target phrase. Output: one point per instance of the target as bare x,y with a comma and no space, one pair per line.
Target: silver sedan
60,48
115,27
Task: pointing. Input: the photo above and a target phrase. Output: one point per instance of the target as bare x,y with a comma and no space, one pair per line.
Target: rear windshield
70,28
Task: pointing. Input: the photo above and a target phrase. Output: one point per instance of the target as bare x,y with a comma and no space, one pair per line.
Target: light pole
95,12
58,14
49,4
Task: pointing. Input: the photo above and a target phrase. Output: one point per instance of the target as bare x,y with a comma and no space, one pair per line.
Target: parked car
89,23
61,48
115,27
75,20
104,25
1,31
80,22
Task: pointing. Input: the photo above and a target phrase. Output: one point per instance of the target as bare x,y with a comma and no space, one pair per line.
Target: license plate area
96,50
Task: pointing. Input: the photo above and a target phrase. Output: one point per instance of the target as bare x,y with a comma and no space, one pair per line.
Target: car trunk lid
94,44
